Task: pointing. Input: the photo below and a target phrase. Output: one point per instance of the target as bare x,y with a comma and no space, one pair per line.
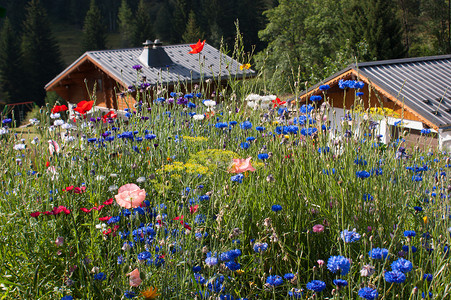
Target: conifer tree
94,30
180,19
163,24
125,20
41,54
142,29
11,70
192,33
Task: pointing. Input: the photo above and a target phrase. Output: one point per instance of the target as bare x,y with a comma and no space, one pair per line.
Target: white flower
209,103
113,175
34,121
35,141
269,98
198,117
253,97
55,116
3,131
69,138
52,128
252,104
66,126
19,147
141,179
58,122
100,177
112,188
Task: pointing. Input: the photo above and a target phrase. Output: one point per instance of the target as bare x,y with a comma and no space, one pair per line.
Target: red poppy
84,106
104,218
193,209
197,48
278,102
35,214
111,114
59,108
109,201
47,164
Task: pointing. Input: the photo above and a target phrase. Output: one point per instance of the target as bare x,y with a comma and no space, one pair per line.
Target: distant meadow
226,194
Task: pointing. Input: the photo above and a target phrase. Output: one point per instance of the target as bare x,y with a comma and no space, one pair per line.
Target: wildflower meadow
219,194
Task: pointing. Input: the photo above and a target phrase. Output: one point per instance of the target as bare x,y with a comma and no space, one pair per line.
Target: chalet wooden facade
111,72
417,90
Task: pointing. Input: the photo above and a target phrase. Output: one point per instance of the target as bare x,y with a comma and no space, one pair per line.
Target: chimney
154,55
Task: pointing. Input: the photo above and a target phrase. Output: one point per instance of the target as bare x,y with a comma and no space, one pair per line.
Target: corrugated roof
422,84
185,67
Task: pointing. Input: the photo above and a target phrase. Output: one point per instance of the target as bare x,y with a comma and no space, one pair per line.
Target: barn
156,69
415,91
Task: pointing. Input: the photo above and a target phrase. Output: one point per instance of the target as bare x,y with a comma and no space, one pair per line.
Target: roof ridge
399,61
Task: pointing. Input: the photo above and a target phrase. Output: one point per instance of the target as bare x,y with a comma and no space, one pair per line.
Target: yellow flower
150,294
245,66
425,219
239,272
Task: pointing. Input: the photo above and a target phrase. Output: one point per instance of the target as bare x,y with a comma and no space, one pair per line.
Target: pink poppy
241,165
54,147
318,228
130,196
135,279
104,218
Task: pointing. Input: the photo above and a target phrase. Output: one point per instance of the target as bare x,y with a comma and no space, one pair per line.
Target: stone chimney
154,55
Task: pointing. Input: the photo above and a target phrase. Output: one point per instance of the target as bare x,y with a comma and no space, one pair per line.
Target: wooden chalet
112,72
417,90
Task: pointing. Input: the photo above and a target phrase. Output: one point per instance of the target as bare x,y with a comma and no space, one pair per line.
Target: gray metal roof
184,67
423,84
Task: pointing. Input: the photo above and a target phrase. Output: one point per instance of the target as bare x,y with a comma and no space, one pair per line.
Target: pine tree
180,19
41,54
11,70
142,29
192,33
125,20
163,23
94,30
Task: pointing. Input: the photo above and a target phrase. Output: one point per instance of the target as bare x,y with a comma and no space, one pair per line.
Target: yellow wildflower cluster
180,167
213,158
195,139
384,111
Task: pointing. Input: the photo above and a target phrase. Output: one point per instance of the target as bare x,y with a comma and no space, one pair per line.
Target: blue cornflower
137,67
274,280
196,269
368,293
100,276
378,253
191,105
425,131
263,156
295,293
310,131
417,178
246,125
250,138
423,295
402,265
316,285
338,263
406,248
244,145
68,297
260,128
221,125
410,233
211,261
233,266
359,94
418,208
324,87
306,108
362,174
199,278
288,276
394,276
276,207
260,247
349,236
315,98
144,255
129,294
340,282
427,277
237,178
114,220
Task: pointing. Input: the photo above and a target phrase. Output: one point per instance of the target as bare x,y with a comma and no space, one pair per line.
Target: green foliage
41,54
125,19
142,26
192,33
11,68
94,31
